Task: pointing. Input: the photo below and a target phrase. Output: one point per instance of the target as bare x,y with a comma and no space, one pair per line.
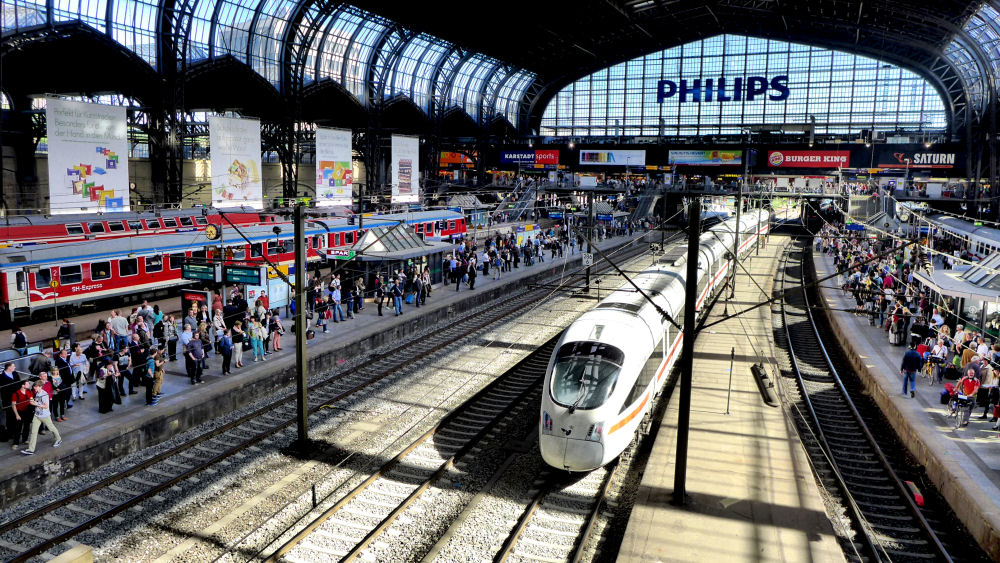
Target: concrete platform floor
751,493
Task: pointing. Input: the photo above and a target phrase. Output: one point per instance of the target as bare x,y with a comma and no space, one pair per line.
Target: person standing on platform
218,326
119,329
24,412
105,386
379,293
472,273
62,389
149,379
418,290
336,309
19,341
170,335
63,335
909,367
159,362
256,340
191,320
194,354
226,349
42,417
397,297
426,281
238,336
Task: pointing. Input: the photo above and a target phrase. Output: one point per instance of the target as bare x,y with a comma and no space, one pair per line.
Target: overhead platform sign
88,157
235,154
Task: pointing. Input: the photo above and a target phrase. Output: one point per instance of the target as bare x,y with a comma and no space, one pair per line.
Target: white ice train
610,364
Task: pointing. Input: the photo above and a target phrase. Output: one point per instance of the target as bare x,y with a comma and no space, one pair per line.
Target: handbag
246,345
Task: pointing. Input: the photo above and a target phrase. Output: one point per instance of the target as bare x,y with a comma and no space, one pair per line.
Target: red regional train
37,277
49,229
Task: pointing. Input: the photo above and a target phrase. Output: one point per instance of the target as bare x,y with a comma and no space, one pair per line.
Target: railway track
38,530
557,523
348,527
843,450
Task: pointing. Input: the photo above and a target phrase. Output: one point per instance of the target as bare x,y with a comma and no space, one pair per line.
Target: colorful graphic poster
613,158
405,169
235,154
707,158
334,173
88,157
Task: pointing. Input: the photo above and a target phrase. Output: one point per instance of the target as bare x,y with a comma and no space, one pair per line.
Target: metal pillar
687,357
590,233
301,362
736,242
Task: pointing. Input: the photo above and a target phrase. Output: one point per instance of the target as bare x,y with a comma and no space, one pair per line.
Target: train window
21,284
236,253
43,277
278,247
201,254
128,267
176,260
96,227
152,223
317,242
171,222
336,239
74,229
586,373
186,222
418,228
201,220
100,271
70,274
135,225
116,226
256,250
451,225
153,264
352,237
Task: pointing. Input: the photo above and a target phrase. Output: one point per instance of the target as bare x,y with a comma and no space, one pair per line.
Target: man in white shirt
119,327
936,319
42,417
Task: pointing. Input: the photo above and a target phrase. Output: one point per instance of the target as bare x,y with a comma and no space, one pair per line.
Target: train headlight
596,432
546,423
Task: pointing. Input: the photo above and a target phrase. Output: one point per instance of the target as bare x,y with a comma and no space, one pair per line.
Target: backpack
158,330
20,341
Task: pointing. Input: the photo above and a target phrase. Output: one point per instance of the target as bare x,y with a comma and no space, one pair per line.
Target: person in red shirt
24,412
968,386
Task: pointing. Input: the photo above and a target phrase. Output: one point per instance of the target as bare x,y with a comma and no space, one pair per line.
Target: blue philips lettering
756,85
694,90
779,83
716,89
721,91
665,89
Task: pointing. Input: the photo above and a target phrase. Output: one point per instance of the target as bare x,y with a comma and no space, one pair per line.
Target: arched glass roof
975,53
350,46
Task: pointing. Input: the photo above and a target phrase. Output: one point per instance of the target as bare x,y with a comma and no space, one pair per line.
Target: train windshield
585,374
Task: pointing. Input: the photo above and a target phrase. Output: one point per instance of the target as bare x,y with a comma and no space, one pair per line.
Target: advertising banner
88,157
706,158
890,157
235,154
405,169
613,158
458,159
809,159
530,157
334,173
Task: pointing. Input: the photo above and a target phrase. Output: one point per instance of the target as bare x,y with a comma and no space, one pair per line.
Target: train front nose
571,454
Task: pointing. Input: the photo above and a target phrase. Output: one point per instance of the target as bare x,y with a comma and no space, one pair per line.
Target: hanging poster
405,169
334,174
235,153
88,157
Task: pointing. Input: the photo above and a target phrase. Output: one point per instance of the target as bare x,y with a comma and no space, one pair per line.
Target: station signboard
340,254
250,275
894,157
202,272
530,157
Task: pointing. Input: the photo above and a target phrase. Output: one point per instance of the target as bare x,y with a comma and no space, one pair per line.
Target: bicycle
959,404
930,366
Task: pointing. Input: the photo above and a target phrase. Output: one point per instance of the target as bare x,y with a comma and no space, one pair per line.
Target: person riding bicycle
968,387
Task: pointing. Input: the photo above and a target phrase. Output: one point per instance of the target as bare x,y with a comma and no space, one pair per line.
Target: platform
92,439
964,464
752,495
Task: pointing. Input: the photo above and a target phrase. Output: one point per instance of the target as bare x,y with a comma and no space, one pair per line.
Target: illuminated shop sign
809,159
723,89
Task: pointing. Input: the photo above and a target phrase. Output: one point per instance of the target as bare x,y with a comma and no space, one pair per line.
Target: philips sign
717,89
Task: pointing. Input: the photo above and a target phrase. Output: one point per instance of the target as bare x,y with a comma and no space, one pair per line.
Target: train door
16,293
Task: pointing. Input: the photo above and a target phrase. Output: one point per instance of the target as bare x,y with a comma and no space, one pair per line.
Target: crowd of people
128,352
879,275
